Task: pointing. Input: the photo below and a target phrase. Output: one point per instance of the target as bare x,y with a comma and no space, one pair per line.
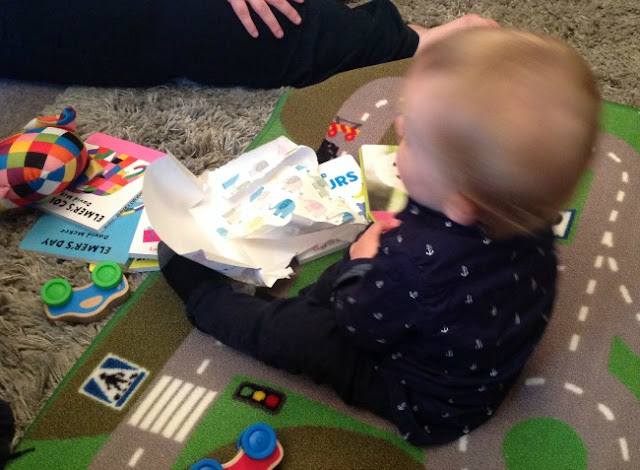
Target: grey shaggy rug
206,127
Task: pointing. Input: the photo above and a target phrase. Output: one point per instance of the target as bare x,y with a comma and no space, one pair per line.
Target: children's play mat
154,393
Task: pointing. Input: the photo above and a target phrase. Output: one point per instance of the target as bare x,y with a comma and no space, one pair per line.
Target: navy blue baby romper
430,333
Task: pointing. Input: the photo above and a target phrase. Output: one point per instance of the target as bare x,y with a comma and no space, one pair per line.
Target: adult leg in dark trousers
7,431
299,334
148,42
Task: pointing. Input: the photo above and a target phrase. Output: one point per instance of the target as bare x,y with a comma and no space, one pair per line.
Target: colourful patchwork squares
38,163
108,171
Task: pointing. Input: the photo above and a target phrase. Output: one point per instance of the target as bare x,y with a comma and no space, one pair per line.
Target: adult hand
263,9
369,242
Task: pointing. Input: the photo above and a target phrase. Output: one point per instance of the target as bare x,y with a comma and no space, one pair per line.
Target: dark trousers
7,431
149,42
299,334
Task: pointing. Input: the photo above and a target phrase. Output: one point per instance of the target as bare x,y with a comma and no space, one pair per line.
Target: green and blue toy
87,303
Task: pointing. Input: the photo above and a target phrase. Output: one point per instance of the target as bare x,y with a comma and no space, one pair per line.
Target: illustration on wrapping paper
250,217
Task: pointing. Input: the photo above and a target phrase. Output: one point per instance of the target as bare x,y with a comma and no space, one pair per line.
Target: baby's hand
369,242
262,8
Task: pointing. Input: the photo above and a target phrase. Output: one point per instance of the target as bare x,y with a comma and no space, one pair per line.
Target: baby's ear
460,209
400,126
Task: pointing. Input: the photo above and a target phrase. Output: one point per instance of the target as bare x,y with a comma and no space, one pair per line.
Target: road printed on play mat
158,427
364,117
566,379
598,297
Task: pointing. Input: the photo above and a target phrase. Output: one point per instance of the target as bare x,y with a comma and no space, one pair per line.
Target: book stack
143,250
101,217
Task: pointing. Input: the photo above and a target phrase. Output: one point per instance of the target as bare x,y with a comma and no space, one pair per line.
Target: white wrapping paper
250,217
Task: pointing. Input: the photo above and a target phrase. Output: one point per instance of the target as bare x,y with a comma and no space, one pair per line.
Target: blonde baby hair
511,118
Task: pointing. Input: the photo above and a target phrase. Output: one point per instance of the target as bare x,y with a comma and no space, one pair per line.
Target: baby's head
497,127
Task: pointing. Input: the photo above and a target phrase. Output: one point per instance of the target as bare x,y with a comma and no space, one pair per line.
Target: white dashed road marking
624,449
573,345
614,157
534,381
135,457
625,294
203,367
604,409
463,443
573,388
584,311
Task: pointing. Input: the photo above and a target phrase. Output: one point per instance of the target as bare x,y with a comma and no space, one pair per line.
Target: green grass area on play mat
211,434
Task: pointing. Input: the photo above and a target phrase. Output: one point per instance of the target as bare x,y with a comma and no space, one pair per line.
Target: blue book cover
56,236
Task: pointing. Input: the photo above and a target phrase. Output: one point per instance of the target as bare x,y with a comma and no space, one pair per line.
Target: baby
428,321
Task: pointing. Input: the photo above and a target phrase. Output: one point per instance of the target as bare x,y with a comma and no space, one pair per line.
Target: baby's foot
430,35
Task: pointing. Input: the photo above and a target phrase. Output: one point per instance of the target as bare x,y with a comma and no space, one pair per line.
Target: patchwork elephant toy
41,161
